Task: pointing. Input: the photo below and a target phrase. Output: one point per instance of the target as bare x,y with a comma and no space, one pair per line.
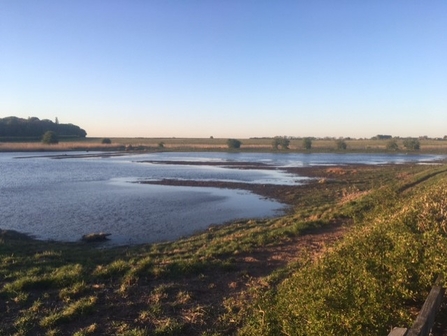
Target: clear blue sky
229,68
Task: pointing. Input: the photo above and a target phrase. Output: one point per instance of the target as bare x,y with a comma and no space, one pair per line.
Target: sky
227,68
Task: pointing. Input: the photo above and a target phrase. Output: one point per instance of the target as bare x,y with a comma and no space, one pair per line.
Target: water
64,199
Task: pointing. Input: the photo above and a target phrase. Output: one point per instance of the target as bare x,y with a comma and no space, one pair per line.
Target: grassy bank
377,278
192,144
252,277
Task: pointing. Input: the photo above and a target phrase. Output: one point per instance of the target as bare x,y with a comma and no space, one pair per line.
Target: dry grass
61,146
320,145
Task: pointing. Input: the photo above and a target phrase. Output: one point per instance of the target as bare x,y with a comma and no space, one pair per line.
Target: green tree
412,144
280,142
392,145
307,143
106,141
233,143
50,138
340,144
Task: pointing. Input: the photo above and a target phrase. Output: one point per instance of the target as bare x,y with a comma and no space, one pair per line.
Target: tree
392,145
233,143
106,141
307,143
340,144
412,144
281,142
50,138
34,127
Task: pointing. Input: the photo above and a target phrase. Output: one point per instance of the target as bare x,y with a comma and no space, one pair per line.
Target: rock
95,237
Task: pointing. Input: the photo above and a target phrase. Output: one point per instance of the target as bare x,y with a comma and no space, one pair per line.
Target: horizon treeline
14,127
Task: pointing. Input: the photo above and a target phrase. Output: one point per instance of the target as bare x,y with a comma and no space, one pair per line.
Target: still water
64,199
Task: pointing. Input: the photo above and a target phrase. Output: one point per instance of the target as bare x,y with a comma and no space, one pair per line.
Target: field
357,254
185,144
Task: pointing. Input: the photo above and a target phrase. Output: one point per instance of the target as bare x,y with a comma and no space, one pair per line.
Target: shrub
341,144
392,145
412,144
106,141
307,143
233,143
280,141
50,138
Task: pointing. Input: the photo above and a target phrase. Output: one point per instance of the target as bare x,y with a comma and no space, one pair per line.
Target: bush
341,144
50,138
412,144
233,143
307,143
280,141
106,141
392,145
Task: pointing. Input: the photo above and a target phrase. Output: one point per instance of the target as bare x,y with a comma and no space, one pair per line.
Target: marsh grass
202,285
216,144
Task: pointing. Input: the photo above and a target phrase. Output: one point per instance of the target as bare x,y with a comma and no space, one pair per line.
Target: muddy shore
318,176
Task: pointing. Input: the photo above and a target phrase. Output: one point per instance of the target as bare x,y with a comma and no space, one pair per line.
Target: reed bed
220,144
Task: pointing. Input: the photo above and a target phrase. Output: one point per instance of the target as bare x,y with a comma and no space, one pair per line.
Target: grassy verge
377,278
228,280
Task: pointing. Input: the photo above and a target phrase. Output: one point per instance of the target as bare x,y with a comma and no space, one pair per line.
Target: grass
225,282
208,144
376,278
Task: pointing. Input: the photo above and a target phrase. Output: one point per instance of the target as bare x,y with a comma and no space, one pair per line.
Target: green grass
372,280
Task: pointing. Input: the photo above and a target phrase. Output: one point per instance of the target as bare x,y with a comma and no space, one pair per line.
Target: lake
63,199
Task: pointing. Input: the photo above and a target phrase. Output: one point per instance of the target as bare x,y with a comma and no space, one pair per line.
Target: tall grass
219,144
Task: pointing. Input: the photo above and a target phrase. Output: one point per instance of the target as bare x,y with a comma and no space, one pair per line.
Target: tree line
14,127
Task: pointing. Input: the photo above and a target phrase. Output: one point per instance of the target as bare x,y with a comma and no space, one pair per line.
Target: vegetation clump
340,144
282,142
307,143
234,143
392,145
50,138
412,144
106,141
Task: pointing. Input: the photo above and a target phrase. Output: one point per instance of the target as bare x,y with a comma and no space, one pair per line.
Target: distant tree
34,127
233,143
106,141
280,142
57,121
412,144
340,144
381,137
211,137
50,138
307,143
392,145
